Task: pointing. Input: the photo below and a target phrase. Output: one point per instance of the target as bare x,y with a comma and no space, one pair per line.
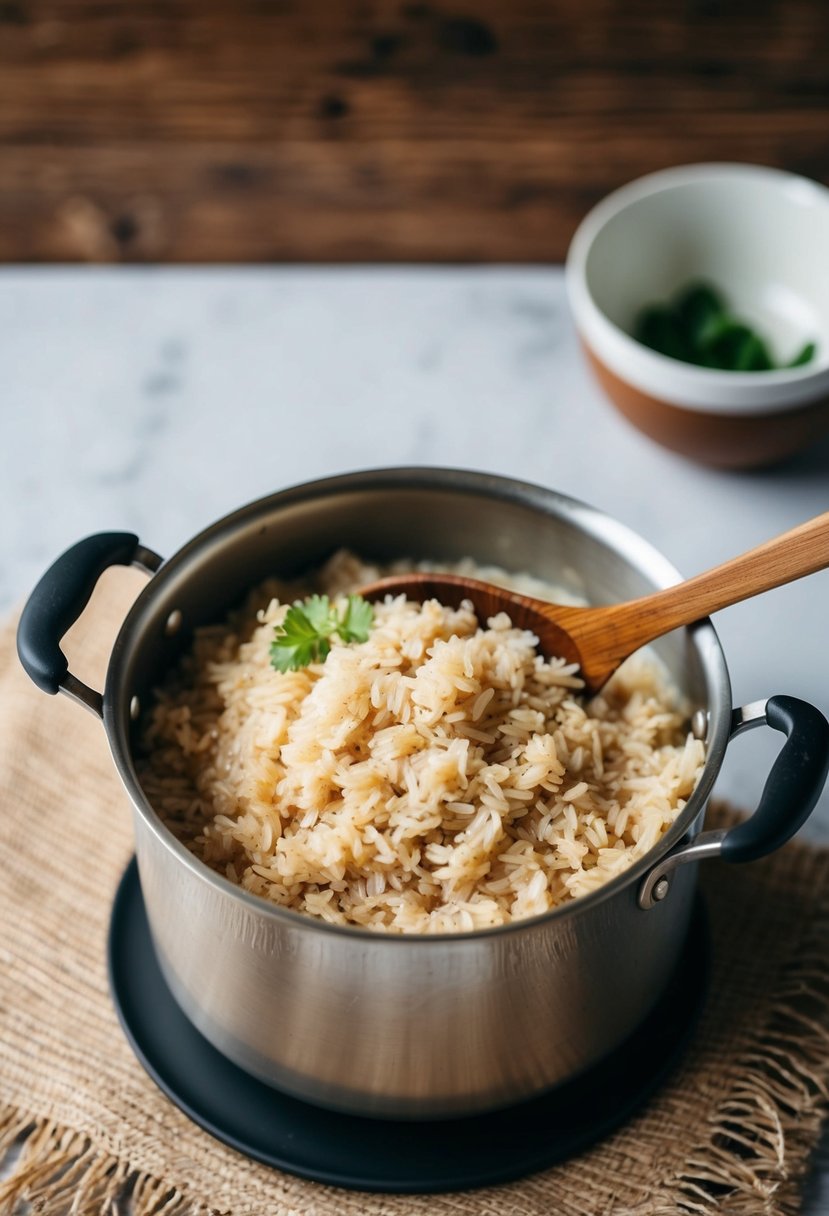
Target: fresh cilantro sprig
305,634
356,620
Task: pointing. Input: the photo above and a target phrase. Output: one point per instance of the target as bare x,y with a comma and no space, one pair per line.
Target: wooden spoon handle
804,550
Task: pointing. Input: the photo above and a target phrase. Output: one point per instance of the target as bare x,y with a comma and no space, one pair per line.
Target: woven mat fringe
58,1171
777,1102
84,1132
777,1099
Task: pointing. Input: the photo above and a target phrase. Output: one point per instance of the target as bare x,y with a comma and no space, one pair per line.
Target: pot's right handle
59,599
788,799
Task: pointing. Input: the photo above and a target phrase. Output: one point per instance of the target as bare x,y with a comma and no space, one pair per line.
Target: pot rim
592,520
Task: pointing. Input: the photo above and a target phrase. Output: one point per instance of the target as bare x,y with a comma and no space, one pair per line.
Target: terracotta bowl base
724,440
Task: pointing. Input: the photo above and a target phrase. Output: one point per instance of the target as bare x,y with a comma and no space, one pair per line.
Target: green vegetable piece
320,615
697,328
753,355
297,642
805,355
357,620
736,348
305,634
658,329
699,309
721,343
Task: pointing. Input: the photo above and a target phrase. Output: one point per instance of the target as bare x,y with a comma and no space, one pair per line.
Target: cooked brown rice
441,776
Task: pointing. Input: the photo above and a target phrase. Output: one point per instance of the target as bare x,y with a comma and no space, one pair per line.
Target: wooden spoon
600,639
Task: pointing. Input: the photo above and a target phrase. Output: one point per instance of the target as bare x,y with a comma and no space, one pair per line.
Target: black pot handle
59,599
791,791
793,785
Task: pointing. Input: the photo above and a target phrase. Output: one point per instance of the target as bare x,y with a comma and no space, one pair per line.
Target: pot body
409,1027
427,1028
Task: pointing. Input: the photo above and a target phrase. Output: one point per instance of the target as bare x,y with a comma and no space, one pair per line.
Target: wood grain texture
262,130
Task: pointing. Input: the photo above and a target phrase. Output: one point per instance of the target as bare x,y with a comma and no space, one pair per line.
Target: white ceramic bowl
762,237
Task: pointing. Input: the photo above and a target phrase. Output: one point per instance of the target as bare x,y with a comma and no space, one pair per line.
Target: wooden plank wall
352,130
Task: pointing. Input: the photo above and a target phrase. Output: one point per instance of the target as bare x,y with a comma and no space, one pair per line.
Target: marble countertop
155,400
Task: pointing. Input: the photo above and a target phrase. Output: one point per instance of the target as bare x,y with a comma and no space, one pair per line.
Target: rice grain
440,777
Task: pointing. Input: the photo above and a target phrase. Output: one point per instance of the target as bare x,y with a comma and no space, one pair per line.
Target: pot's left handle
59,599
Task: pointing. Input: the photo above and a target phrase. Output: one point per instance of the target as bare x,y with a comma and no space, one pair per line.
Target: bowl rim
671,381
592,520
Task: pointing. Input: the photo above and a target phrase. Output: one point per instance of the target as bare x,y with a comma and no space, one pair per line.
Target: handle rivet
699,724
661,889
173,623
135,709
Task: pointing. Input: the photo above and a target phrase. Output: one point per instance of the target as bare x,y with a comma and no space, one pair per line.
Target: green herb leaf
356,621
697,327
804,355
710,333
736,348
698,309
320,615
291,657
753,356
305,633
297,641
658,328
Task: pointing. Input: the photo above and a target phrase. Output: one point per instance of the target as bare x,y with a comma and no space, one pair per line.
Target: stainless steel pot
411,1026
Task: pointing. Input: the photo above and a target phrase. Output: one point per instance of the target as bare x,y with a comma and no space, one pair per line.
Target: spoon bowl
600,639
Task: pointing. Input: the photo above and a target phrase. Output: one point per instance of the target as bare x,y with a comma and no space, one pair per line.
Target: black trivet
381,1154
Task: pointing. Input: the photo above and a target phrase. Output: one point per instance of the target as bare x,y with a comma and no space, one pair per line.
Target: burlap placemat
730,1133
